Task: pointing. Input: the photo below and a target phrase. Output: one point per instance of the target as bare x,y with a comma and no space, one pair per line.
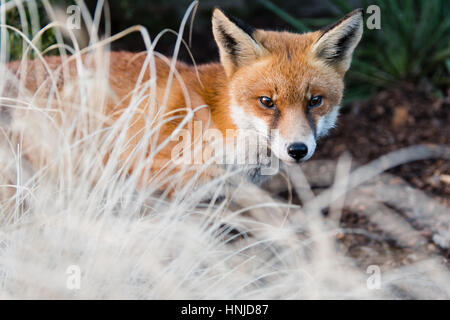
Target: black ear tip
358,11
217,10
236,21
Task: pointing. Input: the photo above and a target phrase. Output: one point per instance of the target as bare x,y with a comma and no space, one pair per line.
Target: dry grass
132,242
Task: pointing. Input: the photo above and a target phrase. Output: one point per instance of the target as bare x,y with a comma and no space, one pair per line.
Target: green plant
412,45
28,20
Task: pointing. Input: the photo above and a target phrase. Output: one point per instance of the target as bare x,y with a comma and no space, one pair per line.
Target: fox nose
297,151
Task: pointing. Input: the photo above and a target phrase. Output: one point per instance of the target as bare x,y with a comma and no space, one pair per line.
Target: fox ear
337,42
236,44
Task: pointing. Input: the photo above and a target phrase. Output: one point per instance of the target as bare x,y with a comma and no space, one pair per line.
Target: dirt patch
396,118
393,119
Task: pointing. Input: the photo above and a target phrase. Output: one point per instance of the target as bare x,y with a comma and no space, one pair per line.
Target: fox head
287,87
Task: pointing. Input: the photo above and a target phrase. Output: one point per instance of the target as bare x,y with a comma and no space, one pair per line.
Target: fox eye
266,102
315,101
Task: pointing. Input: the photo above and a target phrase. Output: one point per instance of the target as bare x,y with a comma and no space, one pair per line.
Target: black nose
297,151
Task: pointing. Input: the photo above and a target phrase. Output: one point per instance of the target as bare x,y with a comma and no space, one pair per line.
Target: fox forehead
288,81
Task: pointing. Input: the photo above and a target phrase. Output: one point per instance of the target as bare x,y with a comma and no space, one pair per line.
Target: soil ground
395,118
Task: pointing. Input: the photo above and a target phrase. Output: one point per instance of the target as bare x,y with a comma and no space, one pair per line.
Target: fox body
285,88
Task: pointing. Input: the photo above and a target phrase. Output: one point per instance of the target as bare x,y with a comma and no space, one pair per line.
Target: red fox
284,87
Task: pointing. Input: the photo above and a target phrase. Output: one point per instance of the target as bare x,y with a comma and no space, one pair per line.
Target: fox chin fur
283,87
